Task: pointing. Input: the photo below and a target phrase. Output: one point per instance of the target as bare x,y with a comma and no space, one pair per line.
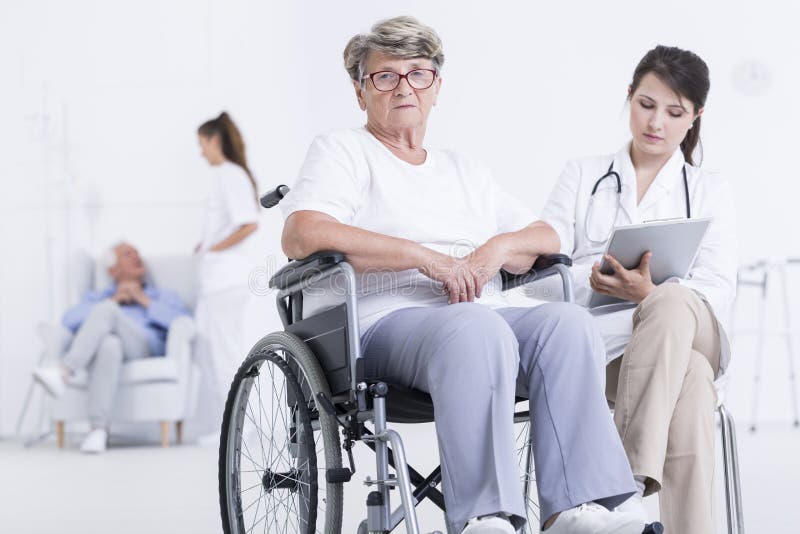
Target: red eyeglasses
386,80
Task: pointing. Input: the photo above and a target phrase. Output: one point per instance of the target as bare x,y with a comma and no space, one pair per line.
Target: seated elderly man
125,321
429,230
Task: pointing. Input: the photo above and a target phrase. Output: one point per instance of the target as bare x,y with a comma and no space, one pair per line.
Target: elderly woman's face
402,107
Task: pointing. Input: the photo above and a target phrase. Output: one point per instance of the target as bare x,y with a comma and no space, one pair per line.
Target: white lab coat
230,204
223,280
713,275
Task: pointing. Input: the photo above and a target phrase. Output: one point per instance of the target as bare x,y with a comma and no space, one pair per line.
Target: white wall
100,101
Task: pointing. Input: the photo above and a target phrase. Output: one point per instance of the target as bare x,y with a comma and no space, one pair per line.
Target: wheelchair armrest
299,270
544,266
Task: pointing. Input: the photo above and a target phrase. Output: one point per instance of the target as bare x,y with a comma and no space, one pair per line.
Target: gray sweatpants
472,360
105,339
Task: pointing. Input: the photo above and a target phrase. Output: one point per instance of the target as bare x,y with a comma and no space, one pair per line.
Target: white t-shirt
230,204
450,204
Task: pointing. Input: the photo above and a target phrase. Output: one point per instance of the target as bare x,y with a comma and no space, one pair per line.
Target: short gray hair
403,37
108,258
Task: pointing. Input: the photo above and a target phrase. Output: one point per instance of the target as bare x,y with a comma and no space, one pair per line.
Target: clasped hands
464,278
131,292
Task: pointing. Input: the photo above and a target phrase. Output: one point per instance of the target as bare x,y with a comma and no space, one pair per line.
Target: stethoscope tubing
611,173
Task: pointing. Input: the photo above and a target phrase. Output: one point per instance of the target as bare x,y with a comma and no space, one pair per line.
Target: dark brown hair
686,74
231,141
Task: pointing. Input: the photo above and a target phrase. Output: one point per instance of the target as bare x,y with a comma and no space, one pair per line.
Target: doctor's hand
627,284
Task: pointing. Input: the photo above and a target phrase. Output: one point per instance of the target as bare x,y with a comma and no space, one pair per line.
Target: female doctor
231,217
666,353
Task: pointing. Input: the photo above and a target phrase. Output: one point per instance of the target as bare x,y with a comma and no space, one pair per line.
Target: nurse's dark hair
686,74
231,141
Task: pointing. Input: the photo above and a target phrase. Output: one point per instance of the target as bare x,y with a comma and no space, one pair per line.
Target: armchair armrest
299,270
180,346
545,265
180,336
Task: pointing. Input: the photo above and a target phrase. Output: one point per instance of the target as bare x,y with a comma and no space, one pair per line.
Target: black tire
291,467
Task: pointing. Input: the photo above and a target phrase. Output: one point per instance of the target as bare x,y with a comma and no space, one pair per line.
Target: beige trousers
664,395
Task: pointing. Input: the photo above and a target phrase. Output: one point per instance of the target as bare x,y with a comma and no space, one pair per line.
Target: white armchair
158,389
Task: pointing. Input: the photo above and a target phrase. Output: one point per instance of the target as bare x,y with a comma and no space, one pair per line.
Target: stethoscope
611,173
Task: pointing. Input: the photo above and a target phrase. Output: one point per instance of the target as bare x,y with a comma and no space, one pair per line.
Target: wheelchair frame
365,399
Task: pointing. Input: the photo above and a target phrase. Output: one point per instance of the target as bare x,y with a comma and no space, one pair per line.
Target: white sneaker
591,518
95,441
488,525
52,379
633,506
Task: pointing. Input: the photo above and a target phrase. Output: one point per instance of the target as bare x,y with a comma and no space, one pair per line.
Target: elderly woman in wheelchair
406,322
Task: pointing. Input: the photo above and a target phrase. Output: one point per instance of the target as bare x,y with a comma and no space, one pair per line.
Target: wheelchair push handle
271,199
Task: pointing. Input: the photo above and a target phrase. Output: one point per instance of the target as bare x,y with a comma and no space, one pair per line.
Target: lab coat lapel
627,175
669,178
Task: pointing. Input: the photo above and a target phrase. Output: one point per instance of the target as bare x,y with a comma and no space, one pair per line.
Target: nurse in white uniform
231,217
667,352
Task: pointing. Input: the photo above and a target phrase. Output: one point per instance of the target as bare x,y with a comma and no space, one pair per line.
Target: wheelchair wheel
276,445
527,476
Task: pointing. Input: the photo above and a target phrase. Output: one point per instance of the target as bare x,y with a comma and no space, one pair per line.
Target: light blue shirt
154,320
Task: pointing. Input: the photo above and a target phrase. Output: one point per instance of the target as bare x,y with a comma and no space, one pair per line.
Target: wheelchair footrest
338,475
653,528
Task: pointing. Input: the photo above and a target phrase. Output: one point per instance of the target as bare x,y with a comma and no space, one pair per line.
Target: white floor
138,489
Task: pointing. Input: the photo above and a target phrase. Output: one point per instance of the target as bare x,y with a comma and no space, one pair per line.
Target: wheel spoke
247,455
259,485
523,444
291,460
261,494
260,411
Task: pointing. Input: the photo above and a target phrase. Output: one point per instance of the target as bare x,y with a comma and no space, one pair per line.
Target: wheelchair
303,396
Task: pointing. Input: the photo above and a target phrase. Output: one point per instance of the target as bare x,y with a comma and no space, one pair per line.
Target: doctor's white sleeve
559,211
713,274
